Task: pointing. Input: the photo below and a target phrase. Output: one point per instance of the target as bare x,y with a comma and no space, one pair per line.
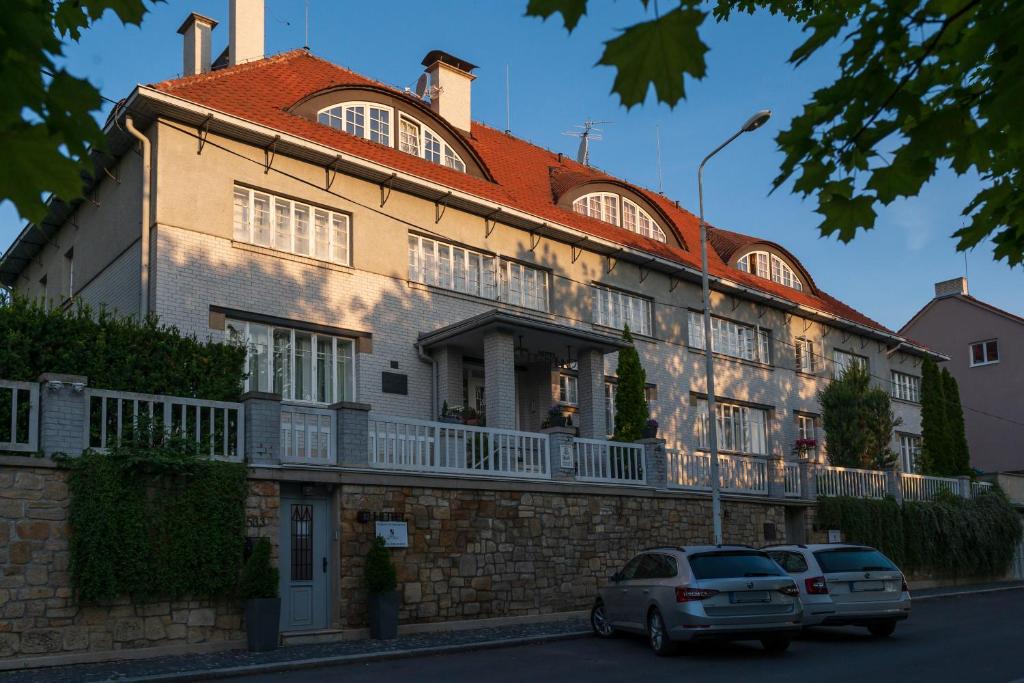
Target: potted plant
555,417
651,429
451,415
803,447
381,583
470,417
258,586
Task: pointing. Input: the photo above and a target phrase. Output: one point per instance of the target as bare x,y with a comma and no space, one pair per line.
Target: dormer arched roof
732,246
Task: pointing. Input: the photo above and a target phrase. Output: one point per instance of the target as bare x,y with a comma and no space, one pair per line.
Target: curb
958,594
319,662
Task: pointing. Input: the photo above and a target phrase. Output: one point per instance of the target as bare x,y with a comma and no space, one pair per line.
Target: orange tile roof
263,91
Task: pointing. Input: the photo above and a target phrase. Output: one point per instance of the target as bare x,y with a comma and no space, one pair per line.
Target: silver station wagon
680,594
846,585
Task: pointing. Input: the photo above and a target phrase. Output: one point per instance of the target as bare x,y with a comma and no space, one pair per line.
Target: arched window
605,206
770,267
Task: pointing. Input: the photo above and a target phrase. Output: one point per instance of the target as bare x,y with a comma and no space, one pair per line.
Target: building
983,345
381,251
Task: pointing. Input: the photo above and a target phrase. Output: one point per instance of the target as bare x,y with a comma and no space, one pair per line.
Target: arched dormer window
770,267
617,210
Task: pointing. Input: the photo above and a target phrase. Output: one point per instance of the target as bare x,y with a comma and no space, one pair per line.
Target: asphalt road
973,639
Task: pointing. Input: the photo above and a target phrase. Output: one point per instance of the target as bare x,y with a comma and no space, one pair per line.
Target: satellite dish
421,86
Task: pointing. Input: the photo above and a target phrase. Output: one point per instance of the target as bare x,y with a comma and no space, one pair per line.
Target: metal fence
610,462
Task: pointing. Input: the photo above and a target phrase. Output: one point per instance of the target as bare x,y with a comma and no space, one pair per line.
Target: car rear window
852,560
794,563
730,564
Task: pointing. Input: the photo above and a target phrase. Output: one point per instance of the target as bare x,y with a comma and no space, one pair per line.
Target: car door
616,603
637,593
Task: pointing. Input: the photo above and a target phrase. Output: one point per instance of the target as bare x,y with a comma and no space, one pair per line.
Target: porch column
500,379
449,378
591,395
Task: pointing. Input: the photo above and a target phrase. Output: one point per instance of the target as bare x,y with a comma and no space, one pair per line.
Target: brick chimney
957,285
451,85
196,31
246,26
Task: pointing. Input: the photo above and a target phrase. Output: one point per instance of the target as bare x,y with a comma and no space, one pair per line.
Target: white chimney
245,42
196,29
957,285
450,88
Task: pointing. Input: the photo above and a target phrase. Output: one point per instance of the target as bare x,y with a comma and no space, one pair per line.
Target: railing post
353,434
808,480
63,414
965,486
894,484
655,463
560,451
776,469
262,436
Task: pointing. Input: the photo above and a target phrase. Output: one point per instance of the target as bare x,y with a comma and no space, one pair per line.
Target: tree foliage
631,412
858,421
381,576
959,455
259,578
944,450
47,127
923,85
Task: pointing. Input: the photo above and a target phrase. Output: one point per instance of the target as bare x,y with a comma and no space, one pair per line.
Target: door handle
325,565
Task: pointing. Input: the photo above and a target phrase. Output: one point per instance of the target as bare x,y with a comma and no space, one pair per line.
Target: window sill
734,359
808,375
905,401
618,331
734,454
455,294
290,256
981,365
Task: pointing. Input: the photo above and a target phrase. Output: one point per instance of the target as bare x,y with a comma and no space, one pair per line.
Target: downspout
427,358
144,248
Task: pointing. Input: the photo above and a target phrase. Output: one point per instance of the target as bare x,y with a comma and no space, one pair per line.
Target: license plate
868,586
750,596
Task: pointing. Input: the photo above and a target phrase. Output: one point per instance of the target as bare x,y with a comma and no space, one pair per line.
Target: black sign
394,383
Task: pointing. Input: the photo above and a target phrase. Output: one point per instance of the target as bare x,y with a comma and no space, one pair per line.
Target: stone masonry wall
479,554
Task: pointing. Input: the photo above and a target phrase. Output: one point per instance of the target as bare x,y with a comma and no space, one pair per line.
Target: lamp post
753,123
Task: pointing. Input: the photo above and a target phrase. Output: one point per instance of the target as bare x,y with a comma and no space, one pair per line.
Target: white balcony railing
847,481
791,479
217,427
399,443
19,416
736,473
921,487
980,487
308,435
610,462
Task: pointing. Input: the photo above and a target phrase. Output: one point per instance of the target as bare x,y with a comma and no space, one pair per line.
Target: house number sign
565,456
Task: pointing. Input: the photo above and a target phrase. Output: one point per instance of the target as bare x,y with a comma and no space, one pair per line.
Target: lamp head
757,120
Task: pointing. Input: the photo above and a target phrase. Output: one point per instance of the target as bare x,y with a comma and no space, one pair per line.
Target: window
792,563
906,387
295,227
656,566
741,429
841,360
727,564
843,560
731,339
298,365
362,119
408,136
910,453
805,361
984,353
69,273
452,267
613,308
604,206
805,430
770,267
568,389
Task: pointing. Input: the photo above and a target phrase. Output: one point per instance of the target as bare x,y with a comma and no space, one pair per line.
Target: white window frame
770,267
807,428
338,225
611,208
741,429
568,390
730,338
804,350
984,352
346,345
616,309
910,452
841,359
906,387
337,116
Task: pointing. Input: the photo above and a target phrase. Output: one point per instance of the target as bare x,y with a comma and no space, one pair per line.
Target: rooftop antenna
508,105
307,24
587,132
657,138
421,86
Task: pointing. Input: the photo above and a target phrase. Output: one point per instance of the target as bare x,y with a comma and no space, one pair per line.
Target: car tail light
816,586
687,594
904,587
790,590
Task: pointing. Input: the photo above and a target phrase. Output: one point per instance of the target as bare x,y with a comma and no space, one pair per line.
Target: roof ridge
192,79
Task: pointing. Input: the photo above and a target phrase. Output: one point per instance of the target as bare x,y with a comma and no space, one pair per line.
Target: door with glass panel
304,564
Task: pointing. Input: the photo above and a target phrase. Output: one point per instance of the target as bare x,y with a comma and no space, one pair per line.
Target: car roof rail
736,545
782,545
664,547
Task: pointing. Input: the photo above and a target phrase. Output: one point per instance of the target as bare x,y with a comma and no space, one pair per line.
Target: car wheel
657,634
599,621
882,630
775,645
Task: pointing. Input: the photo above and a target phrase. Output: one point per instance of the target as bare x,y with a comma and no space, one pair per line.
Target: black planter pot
263,623
384,615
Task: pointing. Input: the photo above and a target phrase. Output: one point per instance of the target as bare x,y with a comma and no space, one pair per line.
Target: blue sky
887,273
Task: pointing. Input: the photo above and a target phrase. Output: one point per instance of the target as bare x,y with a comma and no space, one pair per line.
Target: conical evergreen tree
631,413
960,457
934,431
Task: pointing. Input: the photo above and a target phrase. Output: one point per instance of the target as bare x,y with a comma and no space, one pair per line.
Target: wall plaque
395,534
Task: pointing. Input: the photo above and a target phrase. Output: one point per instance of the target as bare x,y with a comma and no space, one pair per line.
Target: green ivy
949,537
155,522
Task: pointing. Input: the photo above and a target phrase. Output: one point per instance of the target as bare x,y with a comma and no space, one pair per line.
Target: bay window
730,338
614,308
269,221
741,429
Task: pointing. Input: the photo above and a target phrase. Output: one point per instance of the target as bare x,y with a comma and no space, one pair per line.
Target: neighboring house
984,345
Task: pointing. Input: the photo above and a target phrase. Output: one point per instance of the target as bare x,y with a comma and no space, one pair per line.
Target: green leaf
660,52
571,10
844,213
34,164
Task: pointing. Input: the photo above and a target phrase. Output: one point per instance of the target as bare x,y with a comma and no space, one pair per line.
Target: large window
452,267
741,429
910,453
906,387
613,308
770,267
298,365
731,338
611,208
285,225
841,360
985,353
805,361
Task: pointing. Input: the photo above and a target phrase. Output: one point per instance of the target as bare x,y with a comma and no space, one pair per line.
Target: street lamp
752,124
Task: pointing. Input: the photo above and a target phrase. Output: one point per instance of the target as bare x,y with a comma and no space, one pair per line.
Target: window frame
803,348
617,206
607,303
756,340
568,390
335,220
367,115
836,365
905,387
734,421
776,269
984,350
910,452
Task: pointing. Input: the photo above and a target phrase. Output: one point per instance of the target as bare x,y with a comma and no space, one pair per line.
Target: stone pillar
500,379
893,479
353,438
965,486
63,414
776,466
593,424
808,480
262,427
655,463
559,444
449,378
